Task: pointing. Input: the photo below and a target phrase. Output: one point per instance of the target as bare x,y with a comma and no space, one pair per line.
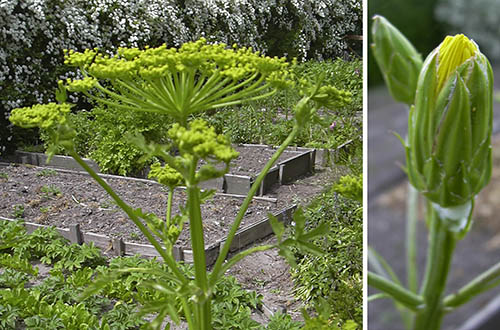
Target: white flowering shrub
478,19
33,34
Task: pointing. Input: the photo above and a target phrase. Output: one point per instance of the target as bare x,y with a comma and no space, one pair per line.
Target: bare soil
252,159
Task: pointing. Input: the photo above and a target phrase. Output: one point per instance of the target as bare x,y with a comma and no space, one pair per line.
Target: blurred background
425,23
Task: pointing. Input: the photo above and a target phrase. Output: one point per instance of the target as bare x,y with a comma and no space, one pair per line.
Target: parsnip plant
448,161
182,83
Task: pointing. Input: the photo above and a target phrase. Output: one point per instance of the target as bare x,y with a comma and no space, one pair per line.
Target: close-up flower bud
449,130
398,60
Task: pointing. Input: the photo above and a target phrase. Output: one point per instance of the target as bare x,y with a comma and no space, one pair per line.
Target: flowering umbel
449,130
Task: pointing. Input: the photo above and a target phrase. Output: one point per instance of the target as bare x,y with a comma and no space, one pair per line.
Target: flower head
449,130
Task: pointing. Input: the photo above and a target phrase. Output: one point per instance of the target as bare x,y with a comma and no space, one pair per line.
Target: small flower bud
397,59
449,130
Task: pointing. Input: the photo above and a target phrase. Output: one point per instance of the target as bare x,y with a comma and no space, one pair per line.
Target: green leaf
278,227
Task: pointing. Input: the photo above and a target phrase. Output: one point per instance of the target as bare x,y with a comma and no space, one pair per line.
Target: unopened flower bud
449,130
397,59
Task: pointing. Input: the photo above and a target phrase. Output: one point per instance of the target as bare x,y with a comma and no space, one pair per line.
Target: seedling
50,191
46,172
18,211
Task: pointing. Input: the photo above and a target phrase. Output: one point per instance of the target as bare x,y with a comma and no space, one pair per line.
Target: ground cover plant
51,299
196,78
335,278
448,162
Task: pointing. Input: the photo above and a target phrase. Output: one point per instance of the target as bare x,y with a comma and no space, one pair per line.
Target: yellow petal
452,53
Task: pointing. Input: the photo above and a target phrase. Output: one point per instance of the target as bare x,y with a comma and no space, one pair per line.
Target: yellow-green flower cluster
202,141
41,115
331,97
196,77
80,85
150,63
166,175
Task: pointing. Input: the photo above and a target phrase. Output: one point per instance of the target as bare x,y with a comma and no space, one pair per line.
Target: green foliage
50,191
350,187
336,274
4,176
279,321
110,146
46,172
11,278
18,211
102,135
233,306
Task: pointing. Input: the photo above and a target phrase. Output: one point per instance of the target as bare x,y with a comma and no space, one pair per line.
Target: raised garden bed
295,162
75,203
244,169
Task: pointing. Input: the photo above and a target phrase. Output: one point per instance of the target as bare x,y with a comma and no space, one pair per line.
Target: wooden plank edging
243,238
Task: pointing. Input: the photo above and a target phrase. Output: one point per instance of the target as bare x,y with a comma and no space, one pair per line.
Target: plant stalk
440,252
411,238
203,309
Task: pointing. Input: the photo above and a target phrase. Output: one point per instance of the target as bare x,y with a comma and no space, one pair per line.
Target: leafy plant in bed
181,83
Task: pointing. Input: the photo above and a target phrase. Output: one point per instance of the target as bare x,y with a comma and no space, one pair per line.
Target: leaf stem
483,282
395,291
198,247
411,238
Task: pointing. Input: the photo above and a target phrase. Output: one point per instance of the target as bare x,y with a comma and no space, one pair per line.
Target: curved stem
167,257
216,272
395,291
187,312
441,246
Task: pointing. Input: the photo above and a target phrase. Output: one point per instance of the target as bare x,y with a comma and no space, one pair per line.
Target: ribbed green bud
397,59
449,130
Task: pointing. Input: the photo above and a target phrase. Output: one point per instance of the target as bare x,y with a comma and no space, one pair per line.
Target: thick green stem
216,272
441,246
168,258
198,246
397,292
